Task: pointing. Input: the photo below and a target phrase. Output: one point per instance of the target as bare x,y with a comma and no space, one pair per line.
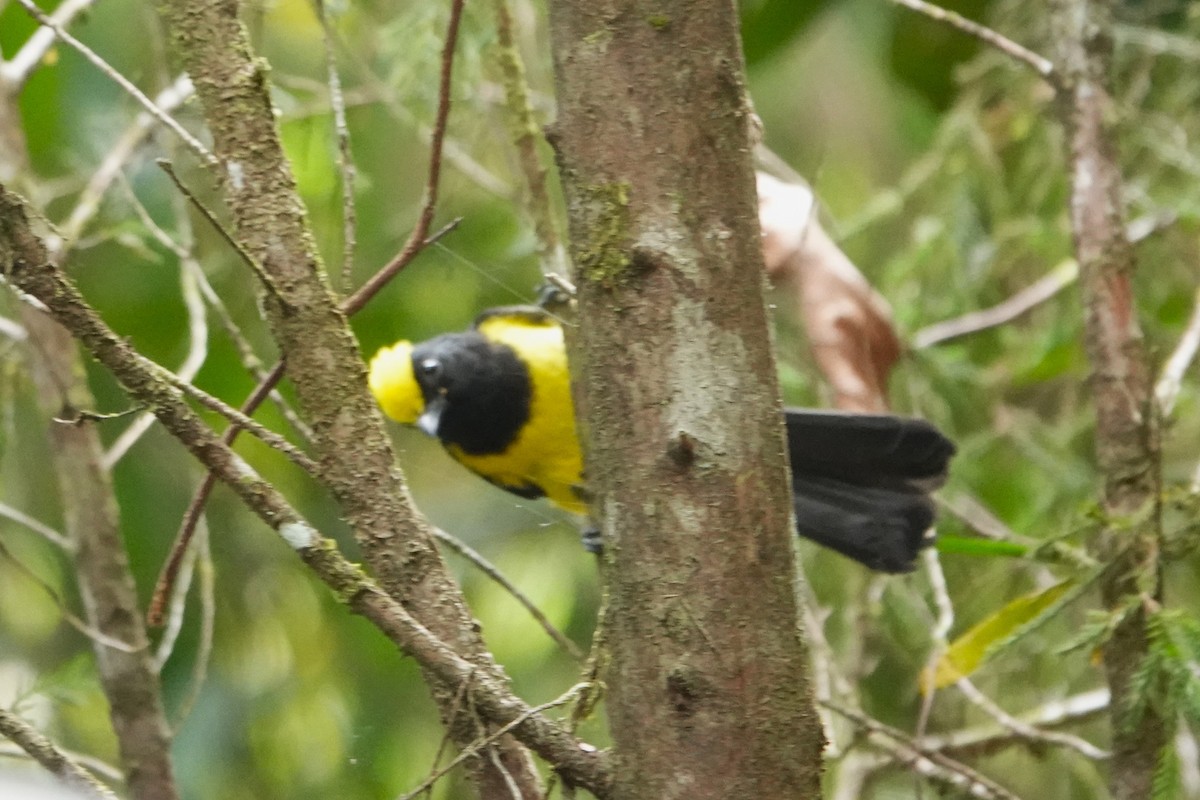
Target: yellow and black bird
498,398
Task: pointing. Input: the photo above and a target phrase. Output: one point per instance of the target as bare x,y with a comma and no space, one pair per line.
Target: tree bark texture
676,389
1126,447
106,585
323,361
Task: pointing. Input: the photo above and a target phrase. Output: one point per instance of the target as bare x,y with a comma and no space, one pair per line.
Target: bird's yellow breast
546,451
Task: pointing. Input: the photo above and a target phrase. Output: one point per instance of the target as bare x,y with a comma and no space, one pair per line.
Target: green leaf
1141,685
1165,784
1184,632
1099,628
1174,638
968,652
977,546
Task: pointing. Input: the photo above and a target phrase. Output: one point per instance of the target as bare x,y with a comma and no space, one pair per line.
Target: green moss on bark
603,256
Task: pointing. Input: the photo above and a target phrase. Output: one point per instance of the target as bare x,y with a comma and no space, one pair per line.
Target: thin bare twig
22,295
82,417
244,422
40,528
174,620
931,764
941,596
495,735
17,70
1024,730
191,517
829,681
46,753
208,617
192,142
1046,287
455,706
416,239
510,783
1023,301
115,160
93,764
1169,382
337,102
489,569
1055,713
71,619
196,356
938,634
204,211
1039,64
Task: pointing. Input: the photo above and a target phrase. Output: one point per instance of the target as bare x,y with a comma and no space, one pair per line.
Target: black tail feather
858,446
861,483
884,529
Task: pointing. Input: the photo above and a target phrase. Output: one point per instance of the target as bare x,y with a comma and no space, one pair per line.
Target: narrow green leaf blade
968,651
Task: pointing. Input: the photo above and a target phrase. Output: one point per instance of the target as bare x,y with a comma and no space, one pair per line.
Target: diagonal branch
38,527
115,160
46,753
357,463
416,239
935,766
1039,64
24,262
20,68
166,119
265,388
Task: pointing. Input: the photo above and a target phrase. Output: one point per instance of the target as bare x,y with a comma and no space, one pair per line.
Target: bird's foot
593,540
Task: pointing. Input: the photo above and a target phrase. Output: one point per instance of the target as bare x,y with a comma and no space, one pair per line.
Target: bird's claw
593,540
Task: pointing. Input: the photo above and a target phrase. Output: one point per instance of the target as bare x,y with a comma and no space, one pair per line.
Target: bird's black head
477,393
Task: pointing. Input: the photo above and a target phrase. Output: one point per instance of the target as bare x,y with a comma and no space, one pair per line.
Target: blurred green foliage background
940,167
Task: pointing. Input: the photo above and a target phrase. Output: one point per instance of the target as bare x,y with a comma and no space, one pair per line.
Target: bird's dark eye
431,368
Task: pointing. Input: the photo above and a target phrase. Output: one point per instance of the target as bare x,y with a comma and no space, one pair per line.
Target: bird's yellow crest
394,385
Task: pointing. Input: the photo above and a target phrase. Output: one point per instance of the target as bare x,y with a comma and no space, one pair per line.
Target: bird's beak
431,417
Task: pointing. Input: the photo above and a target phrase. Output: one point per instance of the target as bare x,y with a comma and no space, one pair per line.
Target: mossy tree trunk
708,692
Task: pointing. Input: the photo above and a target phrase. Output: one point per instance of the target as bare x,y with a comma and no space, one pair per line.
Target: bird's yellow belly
526,466
545,454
